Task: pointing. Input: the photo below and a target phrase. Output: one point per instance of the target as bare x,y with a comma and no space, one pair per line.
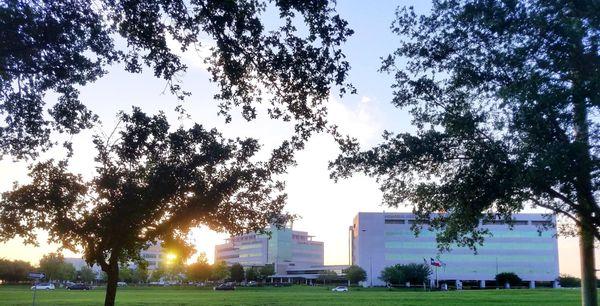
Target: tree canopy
356,274
151,185
400,274
199,270
14,270
504,96
60,46
236,272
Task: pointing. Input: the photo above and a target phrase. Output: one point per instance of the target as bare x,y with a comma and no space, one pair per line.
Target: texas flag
436,263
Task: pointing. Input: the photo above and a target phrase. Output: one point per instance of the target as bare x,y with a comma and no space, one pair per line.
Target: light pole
370,271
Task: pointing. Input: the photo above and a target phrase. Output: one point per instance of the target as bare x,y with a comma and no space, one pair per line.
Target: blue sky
326,208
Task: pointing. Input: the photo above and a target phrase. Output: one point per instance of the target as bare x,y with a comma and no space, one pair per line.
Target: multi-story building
379,240
154,255
286,248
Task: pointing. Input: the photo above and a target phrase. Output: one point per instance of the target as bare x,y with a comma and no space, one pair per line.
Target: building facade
285,248
378,240
154,255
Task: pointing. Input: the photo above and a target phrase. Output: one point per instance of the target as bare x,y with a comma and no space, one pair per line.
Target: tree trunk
589,294
111,283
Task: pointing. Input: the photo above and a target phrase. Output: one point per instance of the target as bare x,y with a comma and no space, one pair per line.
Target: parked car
43,286
79,287
251,284
340,289
224,287
122,284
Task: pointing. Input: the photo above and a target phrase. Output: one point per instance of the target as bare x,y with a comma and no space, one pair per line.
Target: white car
43,286
340,289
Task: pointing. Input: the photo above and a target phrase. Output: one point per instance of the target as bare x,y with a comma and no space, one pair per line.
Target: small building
379,240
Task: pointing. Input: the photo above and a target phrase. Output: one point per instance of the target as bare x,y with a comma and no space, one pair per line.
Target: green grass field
298,295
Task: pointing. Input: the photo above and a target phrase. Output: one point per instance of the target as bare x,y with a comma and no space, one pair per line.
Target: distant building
378,240
154,255
285,248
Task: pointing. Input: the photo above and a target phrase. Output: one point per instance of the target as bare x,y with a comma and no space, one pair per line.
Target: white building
379,240
286,248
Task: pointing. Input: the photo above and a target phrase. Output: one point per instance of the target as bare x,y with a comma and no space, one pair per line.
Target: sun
171,256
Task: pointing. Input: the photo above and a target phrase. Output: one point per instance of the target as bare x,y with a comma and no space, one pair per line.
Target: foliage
327,276
86,274
14,270
247,58
400,274
125,274
416,273
508,278
199,270
157,274
392,274
568,281
139,274
236,272
356,274
265,271
504,96
55,267
220,271
151,185
251,274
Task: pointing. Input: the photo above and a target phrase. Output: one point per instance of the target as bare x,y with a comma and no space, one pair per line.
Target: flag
435,263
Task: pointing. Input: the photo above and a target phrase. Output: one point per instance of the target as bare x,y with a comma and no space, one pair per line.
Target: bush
400,274
508,278
569,281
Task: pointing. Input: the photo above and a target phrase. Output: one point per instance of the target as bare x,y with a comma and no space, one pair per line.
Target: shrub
508,278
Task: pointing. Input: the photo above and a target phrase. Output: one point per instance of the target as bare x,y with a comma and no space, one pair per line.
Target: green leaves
58,46
496,91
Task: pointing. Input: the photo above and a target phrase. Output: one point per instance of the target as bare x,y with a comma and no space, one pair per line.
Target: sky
326,208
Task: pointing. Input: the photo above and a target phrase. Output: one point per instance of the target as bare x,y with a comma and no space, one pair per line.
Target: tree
327,276
86,274
220,271
236,272
150,185
125,274
139,274
568,281
157,274
265,271
508,278
51,265
251,274
392,274
400,274
68,272
58,46
200,270
12,271
356,274
416,273
503,95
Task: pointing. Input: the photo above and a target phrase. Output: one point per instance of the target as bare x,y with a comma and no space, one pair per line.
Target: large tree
59,46
505,97
151,184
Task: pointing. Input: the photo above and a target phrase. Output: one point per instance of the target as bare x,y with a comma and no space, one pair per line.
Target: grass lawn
297,295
